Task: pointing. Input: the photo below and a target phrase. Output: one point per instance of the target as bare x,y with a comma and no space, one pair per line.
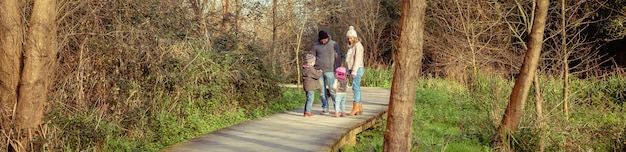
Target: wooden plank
290,131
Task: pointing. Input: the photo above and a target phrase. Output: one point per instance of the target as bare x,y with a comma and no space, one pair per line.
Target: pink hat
341,72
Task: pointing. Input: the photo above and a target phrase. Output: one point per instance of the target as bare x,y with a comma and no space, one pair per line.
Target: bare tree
519,93
561,37
297,24
225,14
368,20
297,51
407,71
467,38
274,26
565,61
22,105
11,39
39,61
569,44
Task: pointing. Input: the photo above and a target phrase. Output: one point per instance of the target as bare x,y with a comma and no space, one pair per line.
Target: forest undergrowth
174,99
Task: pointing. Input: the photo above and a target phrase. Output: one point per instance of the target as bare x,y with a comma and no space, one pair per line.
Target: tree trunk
565,65
565,62
225,15
236,17
408,68
11,39
540,118
39,60
275,60
519,93
299,36
274,27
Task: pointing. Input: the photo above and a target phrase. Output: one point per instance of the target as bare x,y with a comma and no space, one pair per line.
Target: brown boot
356,109
360,108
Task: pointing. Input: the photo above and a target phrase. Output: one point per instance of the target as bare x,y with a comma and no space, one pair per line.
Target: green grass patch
453,117
149,130
377,78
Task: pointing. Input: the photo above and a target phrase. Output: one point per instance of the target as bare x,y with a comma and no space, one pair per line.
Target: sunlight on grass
452,117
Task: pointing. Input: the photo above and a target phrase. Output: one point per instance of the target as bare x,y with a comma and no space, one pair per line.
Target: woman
354,61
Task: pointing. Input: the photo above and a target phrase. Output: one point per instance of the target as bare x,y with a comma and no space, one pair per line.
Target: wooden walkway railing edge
349,138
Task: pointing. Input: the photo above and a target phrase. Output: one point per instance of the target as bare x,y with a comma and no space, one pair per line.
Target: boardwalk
291,132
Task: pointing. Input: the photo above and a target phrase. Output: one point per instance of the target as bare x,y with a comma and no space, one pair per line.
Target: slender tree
225,14
404,85
39,57
541,119
519,93
11,39
565,61
274,26
297,48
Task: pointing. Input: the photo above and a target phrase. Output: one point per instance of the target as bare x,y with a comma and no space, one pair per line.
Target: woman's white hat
351,32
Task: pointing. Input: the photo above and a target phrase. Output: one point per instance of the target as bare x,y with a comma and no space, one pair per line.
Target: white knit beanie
351,32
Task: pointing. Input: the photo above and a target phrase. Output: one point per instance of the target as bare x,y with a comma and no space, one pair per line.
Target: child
310,81
339,87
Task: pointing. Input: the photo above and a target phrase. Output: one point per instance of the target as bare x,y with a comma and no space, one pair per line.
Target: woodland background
136,70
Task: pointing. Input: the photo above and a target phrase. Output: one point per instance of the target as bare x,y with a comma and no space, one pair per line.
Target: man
328,58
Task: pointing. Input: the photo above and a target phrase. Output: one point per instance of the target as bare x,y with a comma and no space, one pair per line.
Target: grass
377,78
437,123
453,117
166,126
449,116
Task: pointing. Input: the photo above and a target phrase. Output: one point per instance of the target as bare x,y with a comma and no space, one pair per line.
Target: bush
135,84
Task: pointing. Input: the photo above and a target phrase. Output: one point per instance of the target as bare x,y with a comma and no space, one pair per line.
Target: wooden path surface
291,132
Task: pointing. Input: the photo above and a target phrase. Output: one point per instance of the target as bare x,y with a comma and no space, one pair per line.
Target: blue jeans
340,102
310,96
356,84
327,80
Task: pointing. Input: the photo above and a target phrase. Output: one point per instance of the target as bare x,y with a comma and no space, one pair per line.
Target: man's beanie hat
322,35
